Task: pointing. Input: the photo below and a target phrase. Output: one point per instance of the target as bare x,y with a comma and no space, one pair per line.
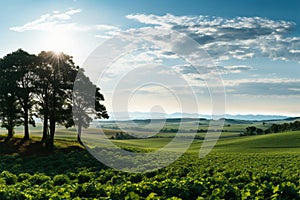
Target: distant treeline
126,136
122,136
163,130
274,128
175,130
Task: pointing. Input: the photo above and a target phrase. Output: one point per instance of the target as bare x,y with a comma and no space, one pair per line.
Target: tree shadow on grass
18,156
21,147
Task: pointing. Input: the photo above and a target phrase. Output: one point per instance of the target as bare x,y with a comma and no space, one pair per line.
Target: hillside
33,147
270,143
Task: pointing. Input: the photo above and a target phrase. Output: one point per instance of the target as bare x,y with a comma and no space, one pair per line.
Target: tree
251,130
292,126
43,91
259,131
18,74
86,103
43,85
56,73
10,112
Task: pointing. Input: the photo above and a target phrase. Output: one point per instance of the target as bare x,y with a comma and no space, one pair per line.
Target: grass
272,143
260,167
34,147
230,141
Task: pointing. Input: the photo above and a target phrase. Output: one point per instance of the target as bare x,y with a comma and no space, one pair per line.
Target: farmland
248,167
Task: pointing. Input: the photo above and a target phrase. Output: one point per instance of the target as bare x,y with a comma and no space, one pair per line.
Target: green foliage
237,168
274,128
38,179
17,86
252,130
122,136
56,75
76,175
8,177
42,86
84,177
61,179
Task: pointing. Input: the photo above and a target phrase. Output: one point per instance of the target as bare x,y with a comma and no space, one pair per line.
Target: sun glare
57,53
57,42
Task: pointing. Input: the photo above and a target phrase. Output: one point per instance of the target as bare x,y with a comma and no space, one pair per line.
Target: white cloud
265,87
73,11
260,80
48,21
108,31
103,36
294,89
259,87
62,21
294,51
234,69
239,37
107,27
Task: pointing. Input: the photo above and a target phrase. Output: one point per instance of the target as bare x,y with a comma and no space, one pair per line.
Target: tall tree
43,91
57,73
86,103
10,111
19,77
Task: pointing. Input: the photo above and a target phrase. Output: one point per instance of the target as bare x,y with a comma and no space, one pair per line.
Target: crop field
248,167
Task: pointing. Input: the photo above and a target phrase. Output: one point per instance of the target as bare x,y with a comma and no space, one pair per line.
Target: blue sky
255,44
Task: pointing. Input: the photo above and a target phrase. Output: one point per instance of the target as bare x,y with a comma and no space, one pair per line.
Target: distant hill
251,117
292,118
157,115
237,121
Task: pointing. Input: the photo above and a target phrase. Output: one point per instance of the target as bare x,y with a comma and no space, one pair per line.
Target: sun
57,53
57,41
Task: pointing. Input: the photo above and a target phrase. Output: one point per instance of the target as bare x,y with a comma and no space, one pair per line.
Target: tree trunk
79,134
10,133
52,132
45,129
46,118
26,128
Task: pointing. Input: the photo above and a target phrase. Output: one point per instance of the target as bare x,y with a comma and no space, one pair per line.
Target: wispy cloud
62,21
234,69
239,37
48,21
264,87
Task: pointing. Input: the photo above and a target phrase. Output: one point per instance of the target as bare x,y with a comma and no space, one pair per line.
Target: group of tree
41,86
252,130
122,136
274,128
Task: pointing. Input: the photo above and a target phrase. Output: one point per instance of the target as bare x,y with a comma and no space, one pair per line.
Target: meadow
238,167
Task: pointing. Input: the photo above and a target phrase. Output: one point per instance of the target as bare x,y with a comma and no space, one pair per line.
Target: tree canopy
42,86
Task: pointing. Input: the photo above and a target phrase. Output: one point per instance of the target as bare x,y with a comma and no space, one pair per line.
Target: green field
238,167
270,144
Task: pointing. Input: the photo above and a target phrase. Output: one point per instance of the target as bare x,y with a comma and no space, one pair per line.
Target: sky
255,46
